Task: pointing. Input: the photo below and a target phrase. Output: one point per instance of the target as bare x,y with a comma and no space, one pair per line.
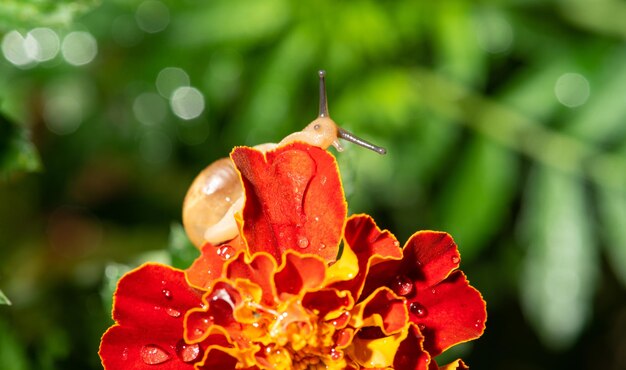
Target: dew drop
317,219
433,291
402,285
167,294
421,327
172,312
335,354
396,244
323,180
455,259
152,354
187,352
208,320
225,252
227,199
125,354
417,309
478,324
303,242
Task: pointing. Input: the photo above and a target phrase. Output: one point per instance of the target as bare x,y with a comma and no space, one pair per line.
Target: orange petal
371,246
299,273
456,365
209,265
411,354
258,270
382,309
294,200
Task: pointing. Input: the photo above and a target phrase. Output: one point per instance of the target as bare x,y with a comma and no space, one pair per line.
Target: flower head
279,297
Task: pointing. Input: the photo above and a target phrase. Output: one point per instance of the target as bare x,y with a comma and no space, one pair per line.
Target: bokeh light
152,16
572,90
169,79
66,102
493,32
187,102
15,51
149,108
42,44
79,48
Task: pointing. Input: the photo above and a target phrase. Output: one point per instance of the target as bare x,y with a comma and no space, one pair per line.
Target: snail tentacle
216,194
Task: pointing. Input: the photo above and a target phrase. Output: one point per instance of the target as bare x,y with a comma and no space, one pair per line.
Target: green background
505,123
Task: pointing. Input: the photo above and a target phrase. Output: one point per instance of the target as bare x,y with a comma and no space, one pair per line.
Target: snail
216,194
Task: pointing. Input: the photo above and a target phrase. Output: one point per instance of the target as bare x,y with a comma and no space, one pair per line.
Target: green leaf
4,300
560,268
12,352
30,13
477,195
458,52
112,274
612,207
602,117
182,251
17,153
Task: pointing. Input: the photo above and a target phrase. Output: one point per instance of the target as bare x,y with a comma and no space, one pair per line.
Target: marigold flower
278,297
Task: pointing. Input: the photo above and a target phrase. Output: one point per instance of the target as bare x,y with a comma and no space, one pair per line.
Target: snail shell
216,193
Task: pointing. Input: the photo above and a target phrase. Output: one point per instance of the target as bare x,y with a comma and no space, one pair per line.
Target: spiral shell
216,194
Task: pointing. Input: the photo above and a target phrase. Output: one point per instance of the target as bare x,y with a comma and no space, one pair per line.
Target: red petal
150,303
391,309
215,316
217,358
329,301
294,200
260,270
454,312
299,273
208,266
434,253
456,365
371,246
411,354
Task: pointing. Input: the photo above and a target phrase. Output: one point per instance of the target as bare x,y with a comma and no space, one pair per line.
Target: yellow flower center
292,337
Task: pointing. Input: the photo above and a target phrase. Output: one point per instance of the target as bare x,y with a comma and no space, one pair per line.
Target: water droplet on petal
152,354
226,252
316,219
455,259
336,354
172,312
303,242
322,246
396,244
342,337
417,309
422,327
125,354
187,352
433,291
478,324
167,293
402,285
323,180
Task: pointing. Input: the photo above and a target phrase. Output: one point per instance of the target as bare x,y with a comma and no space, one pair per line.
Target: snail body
216,194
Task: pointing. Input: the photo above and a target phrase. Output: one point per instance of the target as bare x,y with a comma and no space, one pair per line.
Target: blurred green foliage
504,123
